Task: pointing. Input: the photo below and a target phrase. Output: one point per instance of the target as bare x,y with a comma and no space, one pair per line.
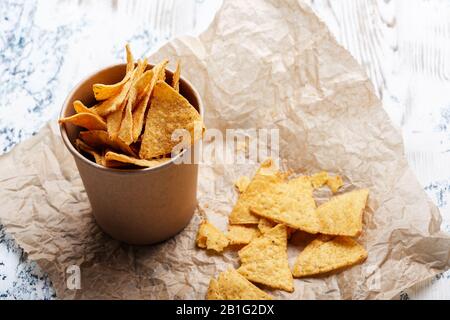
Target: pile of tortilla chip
132,123
270,208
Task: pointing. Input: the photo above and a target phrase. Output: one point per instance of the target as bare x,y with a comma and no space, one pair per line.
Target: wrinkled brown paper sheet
265,64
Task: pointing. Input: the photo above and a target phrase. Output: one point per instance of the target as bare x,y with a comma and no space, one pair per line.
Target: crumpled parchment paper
261,64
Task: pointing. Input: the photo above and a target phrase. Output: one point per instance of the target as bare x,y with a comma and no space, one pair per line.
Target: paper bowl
136,206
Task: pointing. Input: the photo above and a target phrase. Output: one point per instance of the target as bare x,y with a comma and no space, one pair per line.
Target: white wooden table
404,45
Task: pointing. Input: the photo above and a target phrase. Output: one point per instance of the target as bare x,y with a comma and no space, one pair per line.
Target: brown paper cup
137,206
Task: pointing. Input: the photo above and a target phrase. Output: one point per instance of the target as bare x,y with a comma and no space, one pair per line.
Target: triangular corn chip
342,215
240,234
242,183
176,77
230,285
319,179
291,203
211,238
265,178
130,59
157,73
86,120
265,225
168,111
81,108
111,156
264,260
327,254
99,159
101,139
334,183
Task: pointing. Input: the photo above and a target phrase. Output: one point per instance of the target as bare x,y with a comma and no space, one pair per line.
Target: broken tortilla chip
86,120
342,215
230,285
168,112
265,225
326,254
242,183
101,139
240,234
99,159
111,156
264,260
265,178
176,78
290,203
211,238
335,183
319,179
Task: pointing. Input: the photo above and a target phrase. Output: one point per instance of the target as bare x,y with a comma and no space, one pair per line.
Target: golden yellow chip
319,179
240,234
265,178
81,108
265,225
126,126
106,91
157,73
211,238
101,139
342,215
86,120
168,112
230,285
290,203
327,254
99,159
113,157
242,183
334,183
264,260
176,78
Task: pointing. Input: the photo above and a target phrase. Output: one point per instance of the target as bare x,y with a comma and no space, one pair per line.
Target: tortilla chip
230,285
342,215
334,183
265,225
126,125
101,139
290,203
264,260
176,78
86,120
319,179
265,178
111,156
239,234
88,149
211,238
242,183
327,254
157,73
168,111
79,107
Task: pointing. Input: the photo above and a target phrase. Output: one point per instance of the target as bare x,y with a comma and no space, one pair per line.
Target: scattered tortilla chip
240,234
335,183
99,159
319,179
111,156
290,203
211,238
264,260
86,120
327,254
101,139
265,225
342,215
242,183
157,73
230,285
176,78
168,111
265,178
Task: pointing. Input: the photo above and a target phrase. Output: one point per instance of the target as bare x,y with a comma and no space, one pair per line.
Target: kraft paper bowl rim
74,151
